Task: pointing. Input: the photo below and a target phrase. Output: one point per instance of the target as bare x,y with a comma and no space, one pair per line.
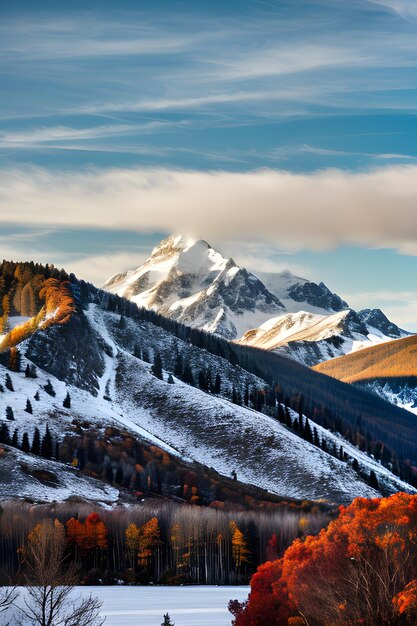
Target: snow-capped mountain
310,338
299,294
188,281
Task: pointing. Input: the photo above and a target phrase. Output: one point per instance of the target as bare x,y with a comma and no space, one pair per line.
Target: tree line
161,542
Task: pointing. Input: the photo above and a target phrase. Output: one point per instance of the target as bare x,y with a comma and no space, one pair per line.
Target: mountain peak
177,244
187,280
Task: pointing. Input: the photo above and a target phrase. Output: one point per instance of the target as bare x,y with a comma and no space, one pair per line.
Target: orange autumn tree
89,535
143,542
59,301
132,542
361,569
240,551
149,539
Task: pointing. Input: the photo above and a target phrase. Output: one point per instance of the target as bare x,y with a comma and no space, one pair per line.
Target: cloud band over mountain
313,211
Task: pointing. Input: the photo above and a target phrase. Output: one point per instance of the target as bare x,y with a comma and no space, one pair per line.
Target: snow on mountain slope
311,338
188,281
30,477
183,420
299,294
217,433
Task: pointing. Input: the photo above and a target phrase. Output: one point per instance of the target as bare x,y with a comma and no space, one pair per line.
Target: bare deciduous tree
8,596
49,600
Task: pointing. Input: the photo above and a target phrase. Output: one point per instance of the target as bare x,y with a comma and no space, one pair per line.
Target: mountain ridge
188,281
124,390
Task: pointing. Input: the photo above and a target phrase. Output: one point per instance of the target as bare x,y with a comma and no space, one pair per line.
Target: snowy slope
311,338
188,281
300,294
30,477
183,420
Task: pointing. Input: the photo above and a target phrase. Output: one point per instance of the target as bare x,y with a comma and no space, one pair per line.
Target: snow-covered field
146,606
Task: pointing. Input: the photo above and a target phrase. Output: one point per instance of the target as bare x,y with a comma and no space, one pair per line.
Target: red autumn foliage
361,569
88,535
268,601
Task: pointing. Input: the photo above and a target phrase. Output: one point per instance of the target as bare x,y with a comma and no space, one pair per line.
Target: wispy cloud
47,135
90,37
404,8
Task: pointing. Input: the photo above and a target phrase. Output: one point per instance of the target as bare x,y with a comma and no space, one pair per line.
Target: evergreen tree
28,408
9,414
178,367
217,384
187,375
308,435
288,419
301,425
167,621
56,454
36,442
246,395
47,444
156,368
281,414
4,433
8,383
122,322
145,356
67,401
202,381
49,389
137,351
170,379
15,439
373,481
36,396
25,443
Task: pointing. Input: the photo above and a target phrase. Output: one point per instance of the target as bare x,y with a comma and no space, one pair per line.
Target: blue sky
284,132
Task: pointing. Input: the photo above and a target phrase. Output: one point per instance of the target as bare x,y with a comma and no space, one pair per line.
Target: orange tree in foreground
361,569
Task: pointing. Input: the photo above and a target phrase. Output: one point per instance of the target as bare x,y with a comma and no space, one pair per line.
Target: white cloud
98,268
317,211
404,8
45,134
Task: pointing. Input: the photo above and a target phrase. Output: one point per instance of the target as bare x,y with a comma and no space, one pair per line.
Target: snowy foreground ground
145,606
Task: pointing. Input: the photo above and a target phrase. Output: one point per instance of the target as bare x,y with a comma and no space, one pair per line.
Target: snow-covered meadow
146,606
